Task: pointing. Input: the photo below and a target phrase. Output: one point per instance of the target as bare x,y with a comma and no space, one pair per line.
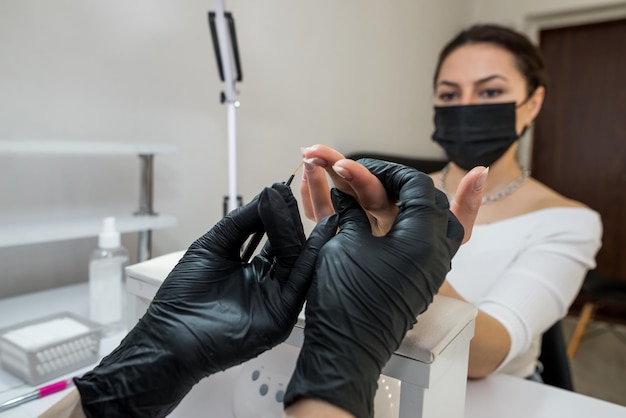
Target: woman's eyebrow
491,77
478,82
447,83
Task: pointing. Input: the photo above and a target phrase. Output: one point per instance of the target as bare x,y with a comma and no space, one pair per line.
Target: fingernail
342,172
316,162
480,181
303,150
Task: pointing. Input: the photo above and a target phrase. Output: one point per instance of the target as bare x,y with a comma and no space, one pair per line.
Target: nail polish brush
36,394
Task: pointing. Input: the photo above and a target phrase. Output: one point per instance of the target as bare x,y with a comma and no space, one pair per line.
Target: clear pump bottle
107,291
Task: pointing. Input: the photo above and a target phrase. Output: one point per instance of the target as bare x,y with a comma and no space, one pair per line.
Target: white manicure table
432,385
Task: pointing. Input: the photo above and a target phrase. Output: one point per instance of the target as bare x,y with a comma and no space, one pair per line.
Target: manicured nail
480,181
342,172
303,150
317,162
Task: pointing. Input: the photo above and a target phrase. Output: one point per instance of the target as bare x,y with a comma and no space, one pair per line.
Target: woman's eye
489,93
447,96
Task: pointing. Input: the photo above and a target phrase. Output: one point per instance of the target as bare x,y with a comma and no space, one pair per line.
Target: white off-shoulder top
525,272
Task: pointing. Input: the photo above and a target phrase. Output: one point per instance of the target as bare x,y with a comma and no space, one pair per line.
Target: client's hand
353,178
212,312
368,290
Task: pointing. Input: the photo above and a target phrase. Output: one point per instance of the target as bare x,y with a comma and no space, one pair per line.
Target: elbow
486,356
489,347
479,371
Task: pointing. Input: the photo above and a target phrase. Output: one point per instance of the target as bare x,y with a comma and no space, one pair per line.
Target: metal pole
230,95
232,156
146,187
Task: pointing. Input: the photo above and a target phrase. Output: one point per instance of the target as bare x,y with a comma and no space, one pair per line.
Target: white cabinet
145,220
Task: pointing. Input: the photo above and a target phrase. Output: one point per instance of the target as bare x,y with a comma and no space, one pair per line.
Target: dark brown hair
528,58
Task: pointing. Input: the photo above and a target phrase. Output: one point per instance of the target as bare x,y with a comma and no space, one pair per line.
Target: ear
535,102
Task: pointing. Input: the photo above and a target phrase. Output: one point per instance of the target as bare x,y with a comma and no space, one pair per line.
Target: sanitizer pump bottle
107,291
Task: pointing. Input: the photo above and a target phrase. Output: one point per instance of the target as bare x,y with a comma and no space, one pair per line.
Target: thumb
229,234
468,199
295,289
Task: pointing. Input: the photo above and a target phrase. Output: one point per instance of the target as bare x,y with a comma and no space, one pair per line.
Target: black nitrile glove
368,291
212,312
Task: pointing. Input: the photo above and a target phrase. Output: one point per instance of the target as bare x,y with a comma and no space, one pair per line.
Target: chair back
426,165
556,366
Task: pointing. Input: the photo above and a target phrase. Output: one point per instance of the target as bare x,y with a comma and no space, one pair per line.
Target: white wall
354,74
521,14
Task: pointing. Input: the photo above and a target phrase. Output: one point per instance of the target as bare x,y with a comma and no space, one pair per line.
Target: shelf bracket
146,201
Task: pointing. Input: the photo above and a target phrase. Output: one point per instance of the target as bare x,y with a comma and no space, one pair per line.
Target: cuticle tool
291,177
256,238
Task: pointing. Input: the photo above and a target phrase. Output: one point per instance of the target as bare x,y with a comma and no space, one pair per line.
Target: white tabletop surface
494,397
511,397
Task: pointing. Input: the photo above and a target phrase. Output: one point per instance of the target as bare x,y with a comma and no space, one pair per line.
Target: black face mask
475,135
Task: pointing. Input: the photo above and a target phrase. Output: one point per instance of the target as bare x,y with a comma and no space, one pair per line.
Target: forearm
490,344
315,408
68,407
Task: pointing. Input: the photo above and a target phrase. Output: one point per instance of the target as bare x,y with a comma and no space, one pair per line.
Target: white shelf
40,231
83,148
35,232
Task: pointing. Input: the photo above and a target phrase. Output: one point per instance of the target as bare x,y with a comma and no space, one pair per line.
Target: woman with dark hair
530,250
531,247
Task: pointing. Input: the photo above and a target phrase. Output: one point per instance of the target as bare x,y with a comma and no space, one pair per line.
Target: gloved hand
212,312
368,290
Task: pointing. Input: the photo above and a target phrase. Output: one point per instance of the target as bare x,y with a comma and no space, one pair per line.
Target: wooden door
579,145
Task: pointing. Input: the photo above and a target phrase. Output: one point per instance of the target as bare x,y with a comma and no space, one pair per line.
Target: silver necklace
510,188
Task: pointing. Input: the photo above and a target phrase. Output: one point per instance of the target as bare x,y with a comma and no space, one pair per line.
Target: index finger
352,178
326,157
368,190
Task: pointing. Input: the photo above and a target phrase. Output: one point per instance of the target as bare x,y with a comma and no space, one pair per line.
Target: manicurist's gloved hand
368,290
212,312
